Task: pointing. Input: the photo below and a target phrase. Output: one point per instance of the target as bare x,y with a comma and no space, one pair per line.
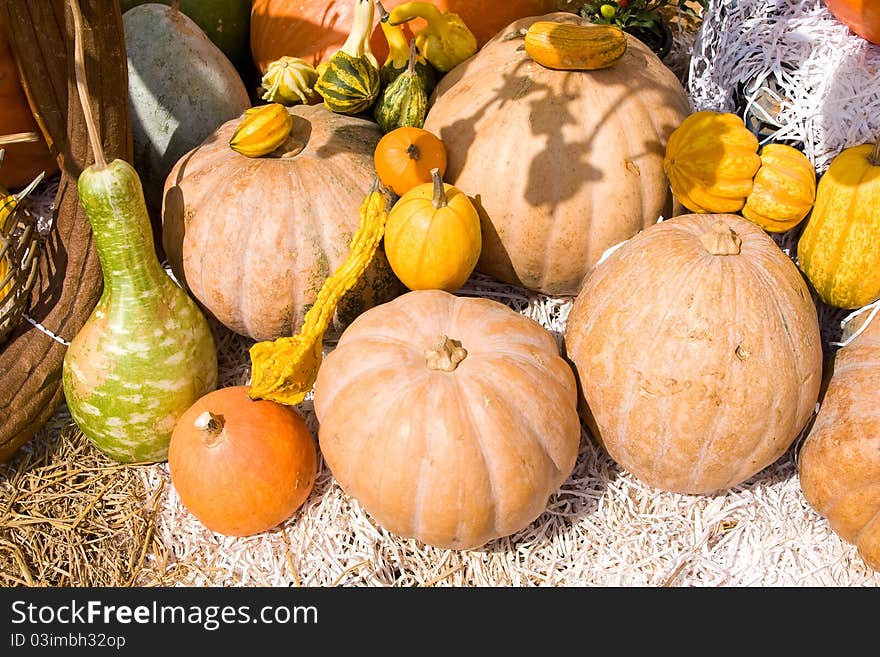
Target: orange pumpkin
698,351
451,419
241,466
315,29
405,157
861,16
24,161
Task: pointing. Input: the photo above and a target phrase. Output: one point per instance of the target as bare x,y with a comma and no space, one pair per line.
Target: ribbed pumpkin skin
697,370
783,190
454,459
581,154
22,162
839,250
839,462
315,29
254,238
711,160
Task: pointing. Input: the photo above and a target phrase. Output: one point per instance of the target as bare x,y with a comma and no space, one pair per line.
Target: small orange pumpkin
405,156
241,466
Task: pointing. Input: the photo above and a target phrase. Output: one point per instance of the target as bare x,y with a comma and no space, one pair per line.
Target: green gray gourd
146,353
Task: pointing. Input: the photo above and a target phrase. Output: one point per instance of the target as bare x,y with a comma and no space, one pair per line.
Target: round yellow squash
711,161
839,462
839,250
432,237
698,352
784,189
450,419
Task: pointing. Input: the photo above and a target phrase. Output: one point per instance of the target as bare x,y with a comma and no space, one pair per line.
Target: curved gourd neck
123,233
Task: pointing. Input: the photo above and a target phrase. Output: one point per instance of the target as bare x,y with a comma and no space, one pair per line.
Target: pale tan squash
697,348
839,462
562,164
450,419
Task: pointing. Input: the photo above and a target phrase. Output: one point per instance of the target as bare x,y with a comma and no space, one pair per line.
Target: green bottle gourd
146,353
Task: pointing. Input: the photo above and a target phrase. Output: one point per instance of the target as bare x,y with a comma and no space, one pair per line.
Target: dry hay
71,516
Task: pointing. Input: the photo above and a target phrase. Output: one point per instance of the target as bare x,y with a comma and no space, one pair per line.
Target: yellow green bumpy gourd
446,41
289,81
284,370
349,83
404,101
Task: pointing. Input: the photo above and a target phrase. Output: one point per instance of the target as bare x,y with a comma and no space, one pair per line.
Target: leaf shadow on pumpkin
559,157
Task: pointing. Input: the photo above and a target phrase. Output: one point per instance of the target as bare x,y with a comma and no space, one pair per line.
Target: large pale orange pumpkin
698,351
254,238
861,16
562,164
315,29
839,462
451,419
24,161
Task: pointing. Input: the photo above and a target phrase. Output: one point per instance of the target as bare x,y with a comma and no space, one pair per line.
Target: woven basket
19,246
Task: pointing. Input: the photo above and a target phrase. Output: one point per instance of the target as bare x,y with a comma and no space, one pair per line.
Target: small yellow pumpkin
711,161
783,190
433,237
839,250
574,47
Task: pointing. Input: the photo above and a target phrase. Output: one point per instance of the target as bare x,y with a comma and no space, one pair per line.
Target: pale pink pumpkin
562,164
450,419
254,238
697,348
839,462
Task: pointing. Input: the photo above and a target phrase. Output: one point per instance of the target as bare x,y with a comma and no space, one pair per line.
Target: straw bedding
69,516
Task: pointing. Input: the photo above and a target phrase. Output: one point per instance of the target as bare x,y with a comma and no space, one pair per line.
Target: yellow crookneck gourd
398,57
289,81
284,370
445,41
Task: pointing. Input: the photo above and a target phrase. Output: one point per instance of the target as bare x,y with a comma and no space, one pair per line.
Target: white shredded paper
603,527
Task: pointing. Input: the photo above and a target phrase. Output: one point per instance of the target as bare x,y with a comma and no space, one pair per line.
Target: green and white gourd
146,353
349,82
404,101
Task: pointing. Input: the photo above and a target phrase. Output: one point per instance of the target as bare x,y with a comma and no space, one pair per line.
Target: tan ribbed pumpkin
254,238
563,164
450,419
839,462
697,348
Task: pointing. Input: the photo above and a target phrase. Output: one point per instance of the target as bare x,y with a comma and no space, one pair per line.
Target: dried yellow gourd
262,130
284,370
289,80
573,47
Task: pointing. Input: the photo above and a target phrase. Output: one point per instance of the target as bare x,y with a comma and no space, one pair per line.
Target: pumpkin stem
721,240
874,157
79,67
445,355
413,151
439,198
211,427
